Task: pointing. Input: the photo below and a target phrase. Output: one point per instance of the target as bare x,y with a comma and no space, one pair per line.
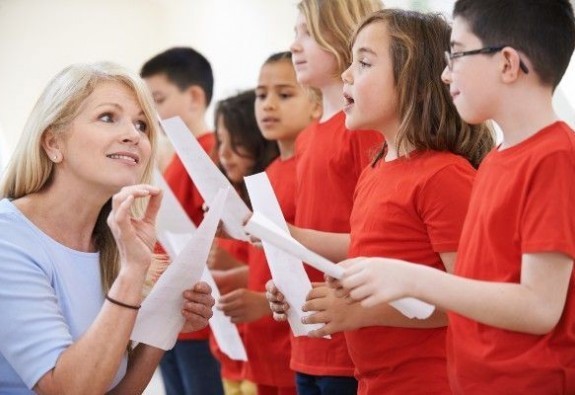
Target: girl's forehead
300,20
372,35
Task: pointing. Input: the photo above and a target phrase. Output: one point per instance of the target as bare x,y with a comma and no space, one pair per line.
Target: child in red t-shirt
409,204
329,160
512,300
283,109
242,151
181,82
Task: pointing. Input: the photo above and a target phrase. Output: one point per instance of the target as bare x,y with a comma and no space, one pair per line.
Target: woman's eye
106,117
142,126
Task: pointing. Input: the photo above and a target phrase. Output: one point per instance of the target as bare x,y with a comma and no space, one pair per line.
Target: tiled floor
156,387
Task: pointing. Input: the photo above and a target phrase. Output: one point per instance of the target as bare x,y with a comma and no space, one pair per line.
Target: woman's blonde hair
30,169
428,117
332,22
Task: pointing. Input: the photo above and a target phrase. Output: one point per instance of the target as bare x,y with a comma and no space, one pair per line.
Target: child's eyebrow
453,44
366,50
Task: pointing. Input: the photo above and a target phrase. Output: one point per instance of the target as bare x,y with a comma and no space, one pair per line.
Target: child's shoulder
552,147
549,141
563,133
436,160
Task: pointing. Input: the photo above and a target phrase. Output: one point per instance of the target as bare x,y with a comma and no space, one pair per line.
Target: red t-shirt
182,185
230,368
329,160
189,197
411,209
268,341
522,202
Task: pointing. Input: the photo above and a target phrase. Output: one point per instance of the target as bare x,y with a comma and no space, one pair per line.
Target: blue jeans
190,369
325,385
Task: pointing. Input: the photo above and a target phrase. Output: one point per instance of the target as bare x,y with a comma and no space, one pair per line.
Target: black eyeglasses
487,50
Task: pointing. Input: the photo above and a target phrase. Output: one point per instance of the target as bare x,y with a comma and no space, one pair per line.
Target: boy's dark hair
184,67
279,56
544,30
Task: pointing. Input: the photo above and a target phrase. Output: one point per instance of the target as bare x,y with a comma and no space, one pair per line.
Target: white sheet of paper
287,271
206,175
225,332
160,319
265,229
171,217
174,230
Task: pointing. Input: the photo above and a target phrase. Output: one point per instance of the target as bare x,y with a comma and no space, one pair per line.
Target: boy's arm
533,306
338,315
333,246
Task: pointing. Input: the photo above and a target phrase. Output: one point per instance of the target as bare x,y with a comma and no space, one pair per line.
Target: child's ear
317,110
511,66
51,145
197,95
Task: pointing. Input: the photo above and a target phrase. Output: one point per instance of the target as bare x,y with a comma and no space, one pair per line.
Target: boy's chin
472,118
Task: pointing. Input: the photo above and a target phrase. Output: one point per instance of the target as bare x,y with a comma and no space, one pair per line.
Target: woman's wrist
128,286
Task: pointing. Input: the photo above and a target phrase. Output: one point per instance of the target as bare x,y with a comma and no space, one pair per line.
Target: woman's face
236,165
106,146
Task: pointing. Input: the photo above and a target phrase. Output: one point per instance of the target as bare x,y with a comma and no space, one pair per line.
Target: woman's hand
197,307
135,237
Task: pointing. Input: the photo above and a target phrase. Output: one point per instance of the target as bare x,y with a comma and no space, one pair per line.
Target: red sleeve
547,221
443,205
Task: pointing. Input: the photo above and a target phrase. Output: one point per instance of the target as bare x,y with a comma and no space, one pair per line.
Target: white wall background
38,38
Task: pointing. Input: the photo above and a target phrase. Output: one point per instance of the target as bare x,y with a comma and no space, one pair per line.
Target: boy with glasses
512,298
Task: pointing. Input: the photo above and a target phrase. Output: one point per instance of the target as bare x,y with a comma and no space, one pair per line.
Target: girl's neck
286,148
390,132
332,99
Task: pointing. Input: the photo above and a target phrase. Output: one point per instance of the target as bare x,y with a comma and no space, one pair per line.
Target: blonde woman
76,239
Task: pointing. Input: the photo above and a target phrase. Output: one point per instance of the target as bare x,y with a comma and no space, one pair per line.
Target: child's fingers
321,332
341,292
354,277
230,297
202,287
315,318
280,317
360,293
279,308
